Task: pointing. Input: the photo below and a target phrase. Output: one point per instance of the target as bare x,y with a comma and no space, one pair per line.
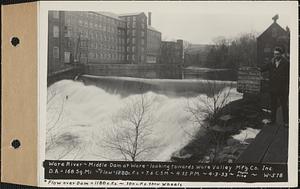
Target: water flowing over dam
81,115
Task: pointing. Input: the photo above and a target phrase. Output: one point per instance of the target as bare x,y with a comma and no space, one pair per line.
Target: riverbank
226,139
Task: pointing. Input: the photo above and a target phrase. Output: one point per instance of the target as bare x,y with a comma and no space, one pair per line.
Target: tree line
228,53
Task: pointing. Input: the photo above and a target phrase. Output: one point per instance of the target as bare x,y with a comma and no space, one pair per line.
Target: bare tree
209,106
55,116
55,109
132,132
205,110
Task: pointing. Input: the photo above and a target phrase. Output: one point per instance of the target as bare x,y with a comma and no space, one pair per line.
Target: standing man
278,68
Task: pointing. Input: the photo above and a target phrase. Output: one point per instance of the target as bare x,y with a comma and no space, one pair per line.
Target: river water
84,116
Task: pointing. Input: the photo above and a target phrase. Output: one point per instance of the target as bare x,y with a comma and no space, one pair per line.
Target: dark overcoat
279,76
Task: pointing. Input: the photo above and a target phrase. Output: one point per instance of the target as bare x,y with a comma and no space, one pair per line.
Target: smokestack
149,18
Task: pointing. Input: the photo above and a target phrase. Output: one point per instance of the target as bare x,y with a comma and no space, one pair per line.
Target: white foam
86,120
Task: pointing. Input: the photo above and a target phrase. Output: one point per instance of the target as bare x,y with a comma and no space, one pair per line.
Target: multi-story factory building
55,43
153,43
95,37
172,52
136,41
89,37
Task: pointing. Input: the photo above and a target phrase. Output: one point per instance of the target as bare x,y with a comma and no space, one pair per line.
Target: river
84,117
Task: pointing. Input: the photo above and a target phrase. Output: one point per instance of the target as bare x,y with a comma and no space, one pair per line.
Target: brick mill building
172,52
153,43
100,38
136,42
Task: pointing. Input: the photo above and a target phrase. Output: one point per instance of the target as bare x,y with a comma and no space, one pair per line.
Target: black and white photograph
204,83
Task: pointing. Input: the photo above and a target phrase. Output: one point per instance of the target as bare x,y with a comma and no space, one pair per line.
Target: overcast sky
201,22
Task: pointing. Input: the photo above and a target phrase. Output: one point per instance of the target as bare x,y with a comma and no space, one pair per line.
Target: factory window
80,22
133,40
55,14
133,57
69,44
68,22
133,32
134,18
55,52
127,57
133,49
133,24
128,40
67,57
143,33
55,31
128,49
86,24
143,41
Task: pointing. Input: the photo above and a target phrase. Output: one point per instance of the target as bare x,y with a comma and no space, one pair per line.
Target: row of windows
133,57
111,56
133,32
95,17
84,44
133,25
104,55
92,36
133,18
98,26
133,41
99,36
91,55
133,49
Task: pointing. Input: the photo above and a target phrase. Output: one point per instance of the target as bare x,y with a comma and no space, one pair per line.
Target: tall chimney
149,18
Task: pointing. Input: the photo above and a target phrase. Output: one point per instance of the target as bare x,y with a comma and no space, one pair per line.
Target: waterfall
80,117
